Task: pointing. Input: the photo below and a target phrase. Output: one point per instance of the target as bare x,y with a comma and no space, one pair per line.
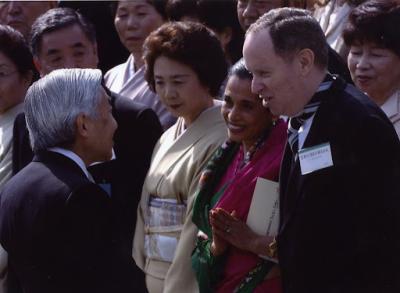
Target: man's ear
38,66
305,59
82,125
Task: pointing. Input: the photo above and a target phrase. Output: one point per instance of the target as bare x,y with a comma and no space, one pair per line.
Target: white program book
263,215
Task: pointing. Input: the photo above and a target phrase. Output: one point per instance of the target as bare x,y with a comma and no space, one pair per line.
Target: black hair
376,22
189,43
14,47
56,19
239,69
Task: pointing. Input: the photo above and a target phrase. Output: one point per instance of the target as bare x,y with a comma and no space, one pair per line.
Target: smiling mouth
176,106
363,79
235,128
133,39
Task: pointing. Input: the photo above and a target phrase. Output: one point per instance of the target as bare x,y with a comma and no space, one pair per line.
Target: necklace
248,155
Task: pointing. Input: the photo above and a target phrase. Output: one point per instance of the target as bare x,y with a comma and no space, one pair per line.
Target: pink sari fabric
238,196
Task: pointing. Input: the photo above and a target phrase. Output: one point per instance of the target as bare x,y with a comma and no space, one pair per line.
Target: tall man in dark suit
340,177
55,222
62,38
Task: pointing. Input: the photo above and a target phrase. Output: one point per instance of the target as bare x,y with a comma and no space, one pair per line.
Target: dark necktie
309,110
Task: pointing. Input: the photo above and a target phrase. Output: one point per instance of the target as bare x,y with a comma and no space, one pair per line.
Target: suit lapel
289,188
292,188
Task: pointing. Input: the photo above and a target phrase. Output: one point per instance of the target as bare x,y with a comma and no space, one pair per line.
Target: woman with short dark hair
16,74
374,60
134,21
185,66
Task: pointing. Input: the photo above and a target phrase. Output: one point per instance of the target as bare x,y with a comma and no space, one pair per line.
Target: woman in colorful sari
226,258
185,65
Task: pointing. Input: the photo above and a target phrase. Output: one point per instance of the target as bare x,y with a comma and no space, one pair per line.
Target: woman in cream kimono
185,65
134,21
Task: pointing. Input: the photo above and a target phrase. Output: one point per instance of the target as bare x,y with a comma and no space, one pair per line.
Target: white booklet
263,215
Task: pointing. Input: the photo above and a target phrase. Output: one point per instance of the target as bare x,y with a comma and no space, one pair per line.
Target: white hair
53,103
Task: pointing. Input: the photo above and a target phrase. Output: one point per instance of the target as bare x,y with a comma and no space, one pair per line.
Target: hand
234,231
218,245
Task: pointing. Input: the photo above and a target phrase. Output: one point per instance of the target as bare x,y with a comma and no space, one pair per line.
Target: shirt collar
392,105
74,157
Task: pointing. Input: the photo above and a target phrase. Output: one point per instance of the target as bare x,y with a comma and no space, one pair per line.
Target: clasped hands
227,230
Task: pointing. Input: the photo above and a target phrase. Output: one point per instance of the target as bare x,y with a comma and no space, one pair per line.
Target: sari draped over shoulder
224,186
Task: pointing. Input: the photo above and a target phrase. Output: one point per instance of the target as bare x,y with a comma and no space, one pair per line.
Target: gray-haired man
55,223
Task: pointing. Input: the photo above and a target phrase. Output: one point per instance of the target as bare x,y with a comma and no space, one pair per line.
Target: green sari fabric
207,267
209,180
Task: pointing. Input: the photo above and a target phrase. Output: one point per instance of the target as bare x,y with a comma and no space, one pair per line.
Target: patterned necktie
309,110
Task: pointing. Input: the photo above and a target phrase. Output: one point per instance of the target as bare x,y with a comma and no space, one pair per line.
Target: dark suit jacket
138,131
57,229
340,226
336,65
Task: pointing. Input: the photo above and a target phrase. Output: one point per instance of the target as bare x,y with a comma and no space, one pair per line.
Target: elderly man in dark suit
62,38
55,222
339,184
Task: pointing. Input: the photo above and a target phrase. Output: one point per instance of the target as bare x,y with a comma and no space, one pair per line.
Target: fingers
202,235
225,224
224,216
218,223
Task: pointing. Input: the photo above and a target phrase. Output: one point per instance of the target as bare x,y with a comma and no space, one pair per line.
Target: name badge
315,158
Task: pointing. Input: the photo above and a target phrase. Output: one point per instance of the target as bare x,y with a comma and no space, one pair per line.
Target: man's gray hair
54,102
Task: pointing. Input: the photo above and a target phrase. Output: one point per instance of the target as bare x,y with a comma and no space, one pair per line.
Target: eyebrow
174,76
5,66
139,6
77,45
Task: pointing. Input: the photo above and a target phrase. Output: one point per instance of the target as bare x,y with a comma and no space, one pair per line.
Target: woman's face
180,89
244,114
374,70
134,21
13,85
